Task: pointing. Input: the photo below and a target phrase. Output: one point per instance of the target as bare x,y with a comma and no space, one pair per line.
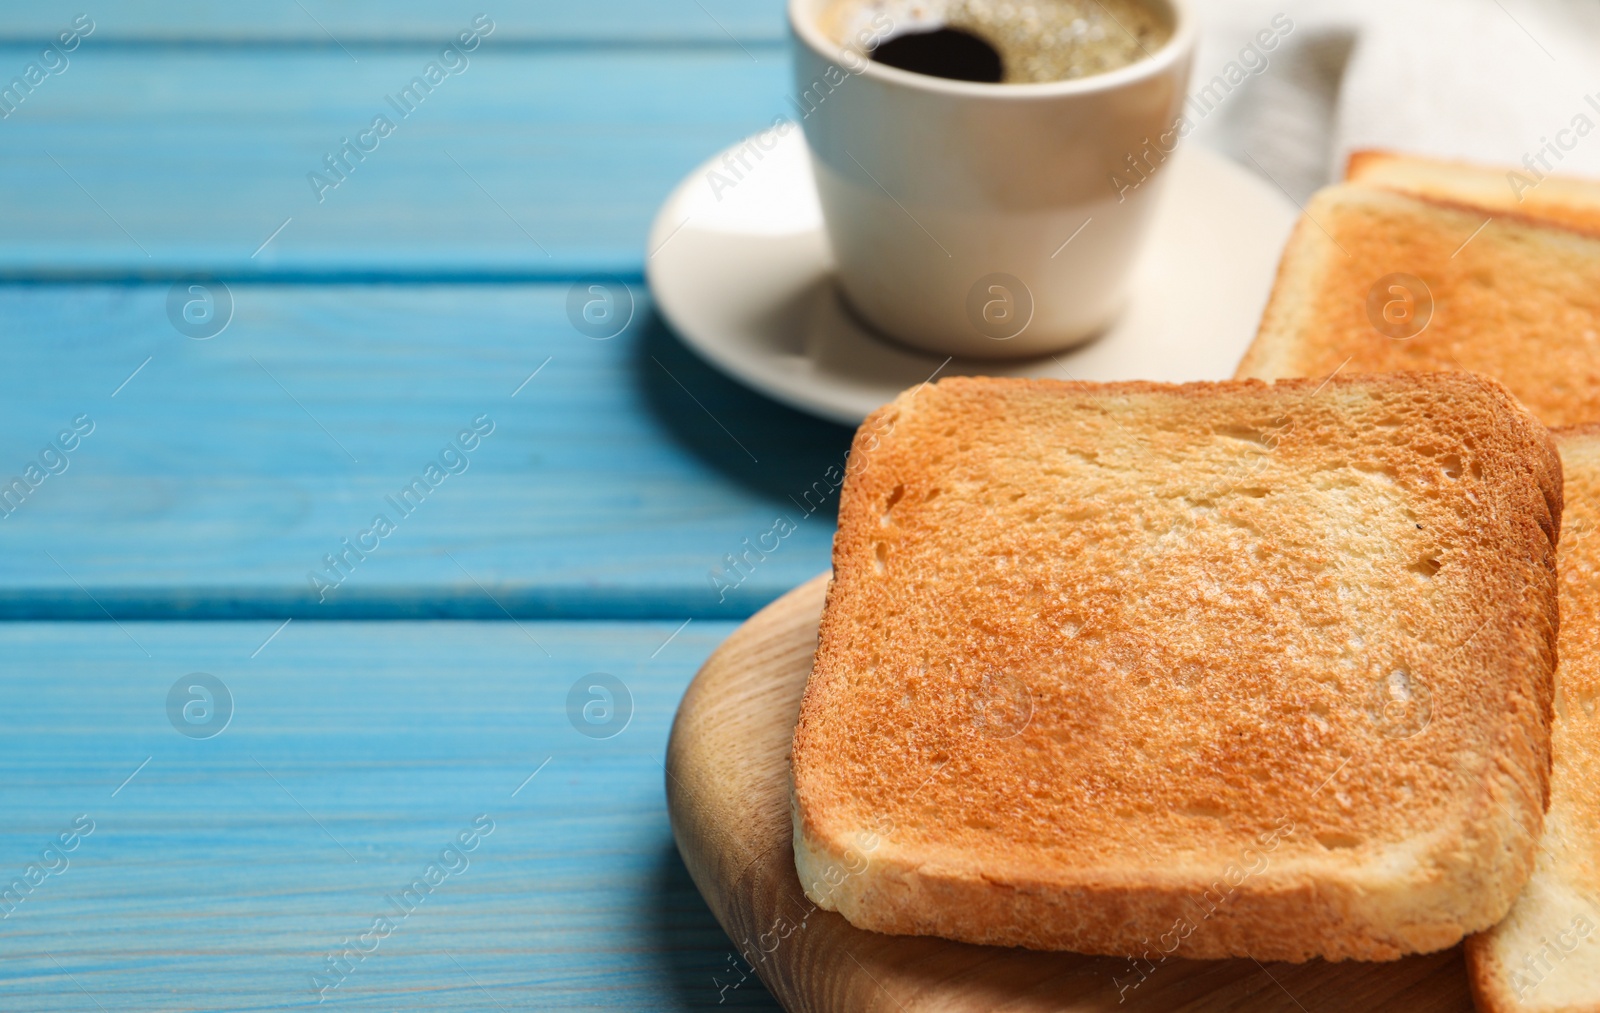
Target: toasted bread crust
981,528
1545,956
1558,200
1511,297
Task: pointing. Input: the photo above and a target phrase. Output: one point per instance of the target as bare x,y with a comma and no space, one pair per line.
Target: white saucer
743,273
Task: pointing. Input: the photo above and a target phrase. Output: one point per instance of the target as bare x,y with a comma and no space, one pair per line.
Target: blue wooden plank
220,872
355,23
526,163
221,473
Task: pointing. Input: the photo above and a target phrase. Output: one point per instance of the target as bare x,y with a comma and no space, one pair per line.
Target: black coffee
1004,41
943,52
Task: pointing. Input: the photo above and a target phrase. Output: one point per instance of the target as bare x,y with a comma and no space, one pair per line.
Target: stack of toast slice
1206,670
1248,669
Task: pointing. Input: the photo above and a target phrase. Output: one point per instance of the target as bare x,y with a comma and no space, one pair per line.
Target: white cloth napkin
1491,81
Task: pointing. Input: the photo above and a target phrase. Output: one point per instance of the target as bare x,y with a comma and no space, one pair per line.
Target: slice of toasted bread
1528,190
1545,956
1373,281
1202,670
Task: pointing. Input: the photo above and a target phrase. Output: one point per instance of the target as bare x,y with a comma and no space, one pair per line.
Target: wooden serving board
728,794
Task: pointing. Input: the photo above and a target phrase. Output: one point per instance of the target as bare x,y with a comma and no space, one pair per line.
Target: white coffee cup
986,220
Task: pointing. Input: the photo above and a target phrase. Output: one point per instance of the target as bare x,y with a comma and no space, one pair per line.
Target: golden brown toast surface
1215,669
1545,957
1513,299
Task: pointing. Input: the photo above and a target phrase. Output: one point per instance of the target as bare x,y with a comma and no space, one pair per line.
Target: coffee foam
1038,40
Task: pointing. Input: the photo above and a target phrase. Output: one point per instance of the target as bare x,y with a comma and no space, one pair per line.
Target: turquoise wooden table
261,751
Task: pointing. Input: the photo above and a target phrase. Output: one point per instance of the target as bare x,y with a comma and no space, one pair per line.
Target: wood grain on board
728,794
